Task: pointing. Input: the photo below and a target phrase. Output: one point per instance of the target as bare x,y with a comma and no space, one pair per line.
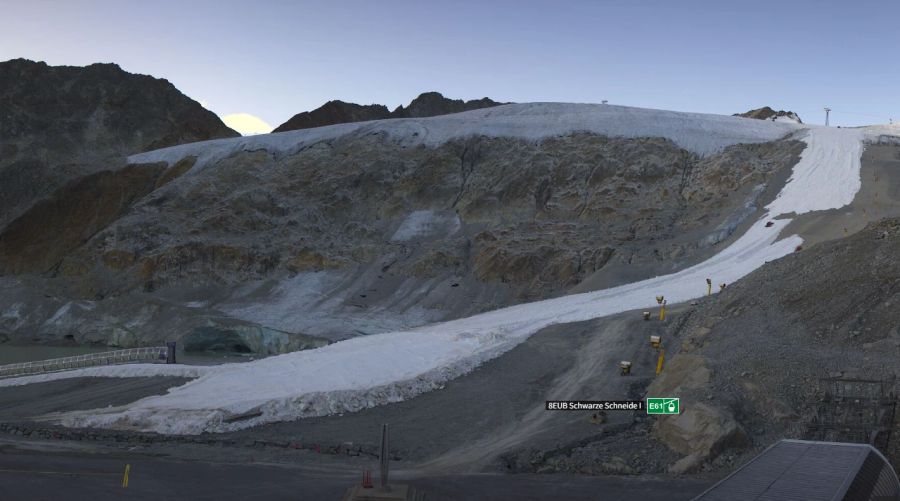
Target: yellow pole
125,478
708,289
662,311
659,363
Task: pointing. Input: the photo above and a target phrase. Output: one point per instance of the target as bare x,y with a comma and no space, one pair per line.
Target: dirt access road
592,375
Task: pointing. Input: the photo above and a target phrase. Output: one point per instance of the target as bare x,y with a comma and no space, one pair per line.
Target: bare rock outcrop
767,113
701,430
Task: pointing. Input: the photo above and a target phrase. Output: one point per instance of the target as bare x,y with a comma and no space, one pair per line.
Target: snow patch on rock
427,223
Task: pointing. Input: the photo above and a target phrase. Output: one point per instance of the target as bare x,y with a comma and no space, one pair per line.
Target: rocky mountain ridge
427,104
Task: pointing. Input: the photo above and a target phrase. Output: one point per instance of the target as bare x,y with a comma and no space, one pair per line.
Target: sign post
666,406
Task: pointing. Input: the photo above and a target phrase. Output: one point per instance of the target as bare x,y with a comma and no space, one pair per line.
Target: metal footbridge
131,355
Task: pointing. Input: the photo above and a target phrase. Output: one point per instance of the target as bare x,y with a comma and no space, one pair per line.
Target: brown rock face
307,259
428,104
63,122
37,240
519,256
210,260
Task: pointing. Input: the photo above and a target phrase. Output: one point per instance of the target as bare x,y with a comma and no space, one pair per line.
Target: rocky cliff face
60,123
364,234
428,104
766,113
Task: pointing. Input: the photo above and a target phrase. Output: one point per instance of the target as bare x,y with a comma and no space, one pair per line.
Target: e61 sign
663,405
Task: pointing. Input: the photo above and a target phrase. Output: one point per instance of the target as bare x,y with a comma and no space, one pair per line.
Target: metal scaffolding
854,410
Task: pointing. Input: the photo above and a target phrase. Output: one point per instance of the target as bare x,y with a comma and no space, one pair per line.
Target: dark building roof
810,471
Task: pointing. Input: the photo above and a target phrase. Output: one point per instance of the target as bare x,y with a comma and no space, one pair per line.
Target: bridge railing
151,354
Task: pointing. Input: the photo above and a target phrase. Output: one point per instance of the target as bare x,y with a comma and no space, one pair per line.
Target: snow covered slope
700,133
383,368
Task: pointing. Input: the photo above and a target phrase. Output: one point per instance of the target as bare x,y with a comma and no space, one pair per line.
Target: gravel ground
39,476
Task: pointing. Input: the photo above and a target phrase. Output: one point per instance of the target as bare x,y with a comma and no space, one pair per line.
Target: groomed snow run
378,369
703,134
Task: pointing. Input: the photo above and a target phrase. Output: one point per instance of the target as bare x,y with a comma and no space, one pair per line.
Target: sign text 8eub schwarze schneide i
595,405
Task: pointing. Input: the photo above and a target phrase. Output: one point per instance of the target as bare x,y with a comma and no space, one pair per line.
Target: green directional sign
663,405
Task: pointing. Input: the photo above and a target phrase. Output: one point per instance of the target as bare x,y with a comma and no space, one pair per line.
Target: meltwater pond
13,354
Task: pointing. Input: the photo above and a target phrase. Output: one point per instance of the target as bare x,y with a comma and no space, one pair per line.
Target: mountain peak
427,104
767,113
430,104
